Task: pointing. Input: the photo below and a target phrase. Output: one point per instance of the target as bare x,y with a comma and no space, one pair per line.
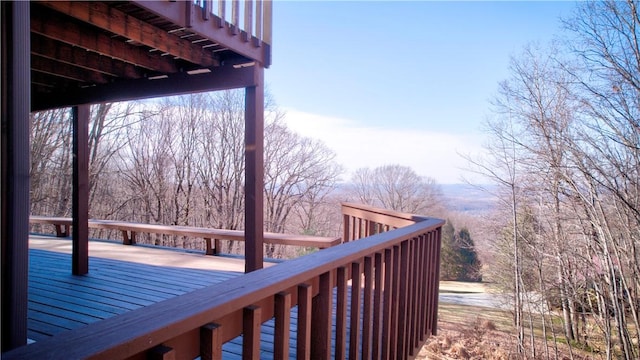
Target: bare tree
397,188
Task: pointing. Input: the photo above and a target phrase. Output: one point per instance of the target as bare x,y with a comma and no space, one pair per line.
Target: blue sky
384,82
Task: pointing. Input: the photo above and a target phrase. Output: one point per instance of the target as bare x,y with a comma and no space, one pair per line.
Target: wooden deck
123,278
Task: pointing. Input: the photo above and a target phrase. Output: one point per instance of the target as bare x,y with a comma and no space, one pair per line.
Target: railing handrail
222,303
373,213
188,231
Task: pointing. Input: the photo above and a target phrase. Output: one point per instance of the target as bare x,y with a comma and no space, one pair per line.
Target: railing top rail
390,217
155,324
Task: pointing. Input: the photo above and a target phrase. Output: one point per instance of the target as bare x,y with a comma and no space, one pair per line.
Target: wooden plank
367,311
403,297
16,97
251,332
377,307
80,193
321,319
387,308
341,314
211,342
303,340
354,328
254,169
119,23
282,313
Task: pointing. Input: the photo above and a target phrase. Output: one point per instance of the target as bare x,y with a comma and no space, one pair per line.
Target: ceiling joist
119,23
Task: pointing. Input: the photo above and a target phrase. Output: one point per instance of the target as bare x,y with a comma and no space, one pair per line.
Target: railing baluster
341,313
354,330
161,352
395,272
321,319
303,343
403,297
251,332
436,276
248,19
367,317
387,307
377,308
222,12
235,16
211,342
267,19
282,314
413,291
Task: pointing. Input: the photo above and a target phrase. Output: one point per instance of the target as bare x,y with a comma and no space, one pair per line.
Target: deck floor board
119,281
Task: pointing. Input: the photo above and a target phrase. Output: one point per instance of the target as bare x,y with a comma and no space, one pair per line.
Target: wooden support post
16,105
80,201
254,172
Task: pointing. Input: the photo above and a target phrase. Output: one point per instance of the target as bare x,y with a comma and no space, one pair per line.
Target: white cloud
356,145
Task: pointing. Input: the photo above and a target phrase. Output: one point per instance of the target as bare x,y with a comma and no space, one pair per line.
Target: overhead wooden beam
73,55
224,77
119,23
53,26
254,172
80,198
71,72
14,145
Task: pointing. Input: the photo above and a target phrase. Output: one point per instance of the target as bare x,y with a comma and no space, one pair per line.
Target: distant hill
467,198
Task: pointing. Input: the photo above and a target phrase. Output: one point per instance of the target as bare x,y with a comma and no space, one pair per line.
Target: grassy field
472,332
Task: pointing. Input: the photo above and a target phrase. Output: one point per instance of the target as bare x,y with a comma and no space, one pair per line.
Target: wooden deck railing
396,271
211,236
247,23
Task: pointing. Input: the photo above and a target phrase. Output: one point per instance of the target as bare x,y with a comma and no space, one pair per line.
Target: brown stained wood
421,291
413,297
267,19
161,352
430,284
387,310
71,72
235,16
438,247
346,219
367,310
403,296
377,306
258,25
211,342
206,233
341,313
158,323
395,303
72,55
282,313
119,23
321,319
251,332
303,341
73,34
248,19
15,89
387,217
80,194
354,328
254,171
